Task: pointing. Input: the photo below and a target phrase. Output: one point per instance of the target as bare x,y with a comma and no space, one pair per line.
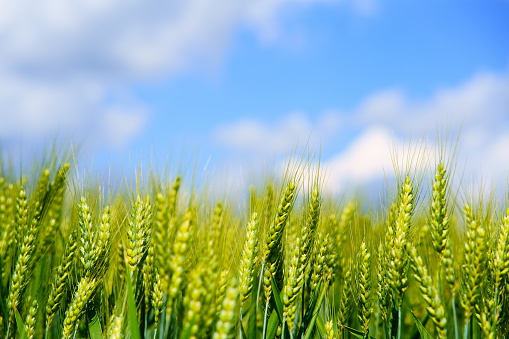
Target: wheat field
162,260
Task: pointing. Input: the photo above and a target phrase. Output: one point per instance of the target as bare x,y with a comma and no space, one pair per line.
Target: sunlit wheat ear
449,270
114,330
329,330
86,236
157,298
291,292
474,262
439,218
299,263
383,286
177,263
227,314
31,318
61,281
102,241
345,298
193,304
149,271
364,302
247,260
321,268
160,238
211,275
22,267
55,210
81,297
273,263
163,228
8,237
138,233
345,220
490,316
429,293
309,230
398,256
38,197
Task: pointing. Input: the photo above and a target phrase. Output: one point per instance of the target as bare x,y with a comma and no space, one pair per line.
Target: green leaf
132,313
272,326
320,325
279,307
21,325
277,299
357,333
3,305
251,325
95,328
424,334
315,303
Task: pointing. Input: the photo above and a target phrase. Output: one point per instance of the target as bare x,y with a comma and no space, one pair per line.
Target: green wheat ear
273,250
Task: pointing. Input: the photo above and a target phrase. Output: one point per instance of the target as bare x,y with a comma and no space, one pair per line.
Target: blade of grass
314,305
279,308
21,325
132,313
357,333
94,328
424,334
272,326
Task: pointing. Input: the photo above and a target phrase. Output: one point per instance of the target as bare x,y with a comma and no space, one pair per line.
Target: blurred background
230,88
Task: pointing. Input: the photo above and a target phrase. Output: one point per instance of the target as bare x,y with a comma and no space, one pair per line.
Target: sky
232,88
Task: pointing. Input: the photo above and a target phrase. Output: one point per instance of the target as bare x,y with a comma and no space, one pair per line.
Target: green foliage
163,261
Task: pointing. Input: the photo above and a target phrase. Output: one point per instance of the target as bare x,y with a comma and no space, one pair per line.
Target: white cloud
33,111
480,101
367,157
388,120
127,39
281,137
63,63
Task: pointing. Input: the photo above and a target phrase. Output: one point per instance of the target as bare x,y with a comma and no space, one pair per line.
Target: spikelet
491,312
193,304
138,233
364,287
31,318
7,231
177,263
94,243
439,218
345,298
299,264
247,260
61,280
56,192
114,330
474,262
22,267
226,321
86,288
273,262
323,261
87,236
329,330
429,293
398,257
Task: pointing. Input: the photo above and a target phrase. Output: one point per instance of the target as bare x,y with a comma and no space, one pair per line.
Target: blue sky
235,85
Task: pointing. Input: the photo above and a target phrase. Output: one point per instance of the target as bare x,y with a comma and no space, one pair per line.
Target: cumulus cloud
63,62
127,39
279,137
477,110
31,111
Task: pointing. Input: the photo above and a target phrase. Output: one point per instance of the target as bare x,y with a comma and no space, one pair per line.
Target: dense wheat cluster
163,261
